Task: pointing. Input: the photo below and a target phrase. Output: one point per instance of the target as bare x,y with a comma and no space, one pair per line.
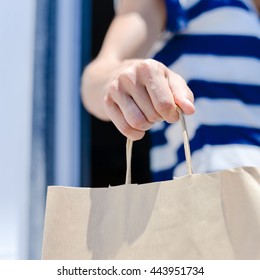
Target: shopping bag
197,216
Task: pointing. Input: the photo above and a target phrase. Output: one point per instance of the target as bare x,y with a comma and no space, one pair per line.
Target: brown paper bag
199,216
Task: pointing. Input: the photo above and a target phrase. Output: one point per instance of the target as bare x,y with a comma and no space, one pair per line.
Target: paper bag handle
129,146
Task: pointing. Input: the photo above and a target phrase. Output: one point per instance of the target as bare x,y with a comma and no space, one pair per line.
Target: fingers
139,94
166,89
125,114
145,93
183,96
153,75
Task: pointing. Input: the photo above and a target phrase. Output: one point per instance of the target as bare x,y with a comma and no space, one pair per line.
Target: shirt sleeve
176,16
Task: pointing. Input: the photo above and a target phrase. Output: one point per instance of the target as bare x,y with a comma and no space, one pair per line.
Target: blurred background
47,137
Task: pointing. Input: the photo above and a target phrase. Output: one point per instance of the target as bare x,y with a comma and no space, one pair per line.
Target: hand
143,93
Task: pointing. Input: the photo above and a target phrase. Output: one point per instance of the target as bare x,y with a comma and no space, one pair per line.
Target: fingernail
190,104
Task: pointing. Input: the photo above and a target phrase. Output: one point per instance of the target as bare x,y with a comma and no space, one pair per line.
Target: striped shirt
215,47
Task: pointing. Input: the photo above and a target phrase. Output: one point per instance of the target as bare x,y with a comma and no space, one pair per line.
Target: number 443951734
177,270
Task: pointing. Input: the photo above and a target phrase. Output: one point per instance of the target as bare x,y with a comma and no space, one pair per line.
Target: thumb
183,96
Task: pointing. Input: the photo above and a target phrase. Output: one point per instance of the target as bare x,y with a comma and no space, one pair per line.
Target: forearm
257,4
130,36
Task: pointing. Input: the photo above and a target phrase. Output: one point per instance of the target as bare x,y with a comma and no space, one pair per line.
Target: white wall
17,25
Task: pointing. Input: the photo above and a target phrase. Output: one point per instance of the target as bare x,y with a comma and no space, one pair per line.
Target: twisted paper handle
129,146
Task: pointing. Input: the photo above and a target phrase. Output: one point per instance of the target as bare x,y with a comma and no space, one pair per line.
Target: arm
257,4
120,86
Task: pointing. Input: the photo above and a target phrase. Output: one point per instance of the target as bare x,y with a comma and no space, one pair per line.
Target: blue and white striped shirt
215,47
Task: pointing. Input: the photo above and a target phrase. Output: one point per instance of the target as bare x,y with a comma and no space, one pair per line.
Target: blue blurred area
29,78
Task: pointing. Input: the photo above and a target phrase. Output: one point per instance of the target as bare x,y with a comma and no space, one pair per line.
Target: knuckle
138,135
164,105
129,132
153,118
145,66
148,61
166,108
108,97
109,102
151,71
112,87
137,122
127,77
125,129
174,117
